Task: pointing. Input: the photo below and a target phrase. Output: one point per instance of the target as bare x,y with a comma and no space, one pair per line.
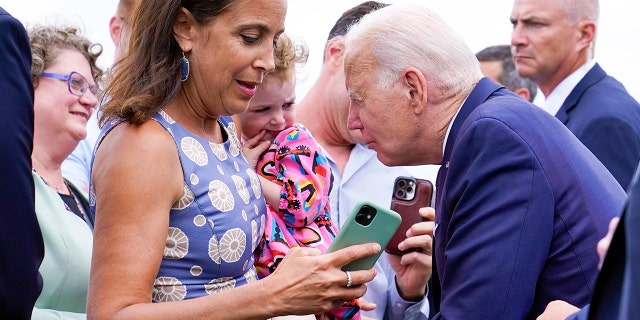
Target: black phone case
409,195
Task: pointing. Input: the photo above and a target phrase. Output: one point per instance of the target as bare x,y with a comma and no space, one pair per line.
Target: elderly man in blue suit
21,246
520,203
553,45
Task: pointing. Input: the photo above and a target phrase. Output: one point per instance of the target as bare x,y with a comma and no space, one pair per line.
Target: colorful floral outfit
295,162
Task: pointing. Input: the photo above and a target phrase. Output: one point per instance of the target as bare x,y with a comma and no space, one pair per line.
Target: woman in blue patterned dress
178,210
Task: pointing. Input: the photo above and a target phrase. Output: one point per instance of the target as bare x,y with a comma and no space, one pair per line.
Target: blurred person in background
66,78
496,63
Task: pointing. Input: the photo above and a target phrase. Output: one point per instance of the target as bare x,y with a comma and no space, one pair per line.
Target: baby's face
271,109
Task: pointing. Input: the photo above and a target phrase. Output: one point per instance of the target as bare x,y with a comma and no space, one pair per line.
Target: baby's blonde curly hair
287,54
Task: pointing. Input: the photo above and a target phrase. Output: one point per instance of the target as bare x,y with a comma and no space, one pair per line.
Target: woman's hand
307,282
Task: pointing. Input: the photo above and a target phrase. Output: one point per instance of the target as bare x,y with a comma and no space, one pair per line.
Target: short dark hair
352,16
509,77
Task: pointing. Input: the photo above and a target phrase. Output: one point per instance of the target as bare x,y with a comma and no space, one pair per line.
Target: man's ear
415,86
524,93
183,29
587,32
115,27
334,52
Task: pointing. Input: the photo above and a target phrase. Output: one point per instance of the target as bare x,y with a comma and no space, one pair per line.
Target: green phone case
381,228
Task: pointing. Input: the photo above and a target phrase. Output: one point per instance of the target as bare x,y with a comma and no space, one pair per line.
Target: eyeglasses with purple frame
77,84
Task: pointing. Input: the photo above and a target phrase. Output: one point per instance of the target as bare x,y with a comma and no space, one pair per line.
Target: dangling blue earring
184,68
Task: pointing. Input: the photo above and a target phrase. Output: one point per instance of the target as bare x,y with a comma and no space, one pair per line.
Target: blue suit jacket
606,119
617,292
521,205
21,246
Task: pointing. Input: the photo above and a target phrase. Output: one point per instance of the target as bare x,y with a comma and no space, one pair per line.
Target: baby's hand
254,147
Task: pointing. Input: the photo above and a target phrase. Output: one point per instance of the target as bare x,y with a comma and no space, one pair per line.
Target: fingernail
376,247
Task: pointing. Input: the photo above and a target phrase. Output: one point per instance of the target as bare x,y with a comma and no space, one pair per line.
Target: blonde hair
287,55
46,43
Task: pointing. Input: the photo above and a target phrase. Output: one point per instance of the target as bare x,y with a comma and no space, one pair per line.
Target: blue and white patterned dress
216,225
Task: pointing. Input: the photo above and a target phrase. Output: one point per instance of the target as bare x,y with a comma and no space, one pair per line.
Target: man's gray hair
580,10
410,35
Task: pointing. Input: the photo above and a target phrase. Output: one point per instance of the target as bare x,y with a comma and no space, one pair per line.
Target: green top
68,242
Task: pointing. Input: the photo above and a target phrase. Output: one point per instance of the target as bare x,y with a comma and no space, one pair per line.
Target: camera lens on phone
365,215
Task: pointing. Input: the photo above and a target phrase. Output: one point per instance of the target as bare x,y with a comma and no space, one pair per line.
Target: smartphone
368,222
409,195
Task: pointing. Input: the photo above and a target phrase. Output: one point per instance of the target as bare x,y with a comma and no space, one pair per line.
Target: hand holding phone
409,195
367,223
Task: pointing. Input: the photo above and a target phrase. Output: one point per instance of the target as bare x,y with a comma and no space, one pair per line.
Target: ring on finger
349,283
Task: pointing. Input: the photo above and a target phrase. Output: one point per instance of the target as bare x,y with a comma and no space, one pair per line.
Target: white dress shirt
560,93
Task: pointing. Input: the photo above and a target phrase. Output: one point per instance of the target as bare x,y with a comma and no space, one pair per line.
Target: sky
480,23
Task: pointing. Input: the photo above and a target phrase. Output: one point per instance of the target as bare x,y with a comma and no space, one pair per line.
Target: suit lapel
592,77
483,90
480,94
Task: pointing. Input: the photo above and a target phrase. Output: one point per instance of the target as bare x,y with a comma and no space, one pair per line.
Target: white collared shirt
446,136
560,93
444,146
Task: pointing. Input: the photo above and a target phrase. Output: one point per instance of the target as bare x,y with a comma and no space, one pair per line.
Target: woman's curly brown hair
46,41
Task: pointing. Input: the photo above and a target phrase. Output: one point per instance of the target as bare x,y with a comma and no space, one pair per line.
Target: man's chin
386,161
355,137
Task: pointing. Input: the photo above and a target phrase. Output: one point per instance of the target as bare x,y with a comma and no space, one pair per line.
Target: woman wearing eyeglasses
64,75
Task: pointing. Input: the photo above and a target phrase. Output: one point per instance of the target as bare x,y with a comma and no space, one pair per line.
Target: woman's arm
131,222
